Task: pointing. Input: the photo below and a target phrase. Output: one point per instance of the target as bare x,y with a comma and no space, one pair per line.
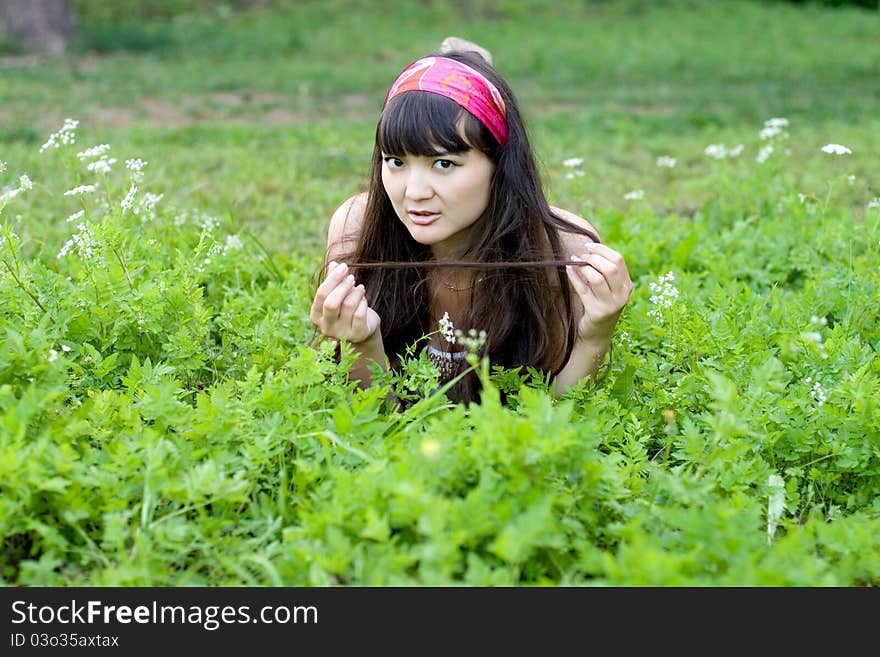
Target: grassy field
164,420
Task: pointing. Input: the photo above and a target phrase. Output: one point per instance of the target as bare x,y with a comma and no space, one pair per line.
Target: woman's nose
419,185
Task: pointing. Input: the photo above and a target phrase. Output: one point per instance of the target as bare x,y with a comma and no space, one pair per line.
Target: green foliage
167,417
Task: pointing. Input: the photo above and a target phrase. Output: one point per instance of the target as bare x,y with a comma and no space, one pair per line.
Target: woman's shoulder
573,241
346,225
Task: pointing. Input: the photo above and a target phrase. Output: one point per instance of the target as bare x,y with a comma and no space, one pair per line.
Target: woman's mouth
422,217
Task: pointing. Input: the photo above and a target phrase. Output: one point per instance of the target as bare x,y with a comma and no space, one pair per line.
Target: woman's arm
339,309
602,286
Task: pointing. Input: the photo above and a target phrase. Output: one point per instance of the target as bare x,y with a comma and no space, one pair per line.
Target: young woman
455,224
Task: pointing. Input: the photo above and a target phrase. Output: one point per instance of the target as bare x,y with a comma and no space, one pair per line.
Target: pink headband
460,83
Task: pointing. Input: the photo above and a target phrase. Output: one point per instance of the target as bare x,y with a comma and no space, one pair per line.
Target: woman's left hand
602,283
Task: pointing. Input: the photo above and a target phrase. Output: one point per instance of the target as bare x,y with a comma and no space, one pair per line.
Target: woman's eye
393,162
444,164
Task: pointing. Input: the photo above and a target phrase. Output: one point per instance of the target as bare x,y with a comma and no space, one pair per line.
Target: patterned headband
467,87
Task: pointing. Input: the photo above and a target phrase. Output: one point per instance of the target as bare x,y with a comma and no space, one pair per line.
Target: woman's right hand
340,308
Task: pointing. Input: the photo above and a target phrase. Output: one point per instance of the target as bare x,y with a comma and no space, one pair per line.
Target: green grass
193,435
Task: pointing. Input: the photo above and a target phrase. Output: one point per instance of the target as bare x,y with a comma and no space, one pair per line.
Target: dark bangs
424,123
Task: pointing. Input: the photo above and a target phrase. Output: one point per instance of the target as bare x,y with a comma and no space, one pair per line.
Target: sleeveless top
446,362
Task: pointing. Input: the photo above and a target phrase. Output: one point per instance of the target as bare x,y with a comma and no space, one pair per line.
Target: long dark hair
517,306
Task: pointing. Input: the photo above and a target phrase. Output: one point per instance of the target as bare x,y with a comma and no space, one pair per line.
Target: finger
577,276
360,313
330,283
333,302
606,252
359,319
352,301
601,273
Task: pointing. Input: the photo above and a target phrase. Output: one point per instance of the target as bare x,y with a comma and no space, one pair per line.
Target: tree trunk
37,25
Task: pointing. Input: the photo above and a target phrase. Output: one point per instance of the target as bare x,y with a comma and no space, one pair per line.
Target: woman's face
438,196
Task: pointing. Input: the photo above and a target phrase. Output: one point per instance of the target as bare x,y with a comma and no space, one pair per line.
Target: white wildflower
101,165
815,319
233,243
94,151
720,151
2,166
129,198
775,504
472,341
776,122
75,216
66,135
666,161
874,202
851,179
715,150
446,328
135,164
25,183
774,127
664,294
147,207
812,336
836,149
206,222
573,162
634,195
65,348
52,355
817,392
83,241
571,175
764,153
82,189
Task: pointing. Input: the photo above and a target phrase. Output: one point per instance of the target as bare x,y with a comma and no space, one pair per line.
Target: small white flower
720,151
715,150
25,183
775,504
75,216
666,161
129,199
815,319
472,341
851,179
102,165
812,336
446,328
135,164
67,135
2,166
665,293
233,243
52,355
634,195
65,348
836,149
82,189
874,202
764,153
94,151
774,127
573,162
83,241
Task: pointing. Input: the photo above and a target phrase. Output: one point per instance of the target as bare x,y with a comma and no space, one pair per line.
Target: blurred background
264,110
